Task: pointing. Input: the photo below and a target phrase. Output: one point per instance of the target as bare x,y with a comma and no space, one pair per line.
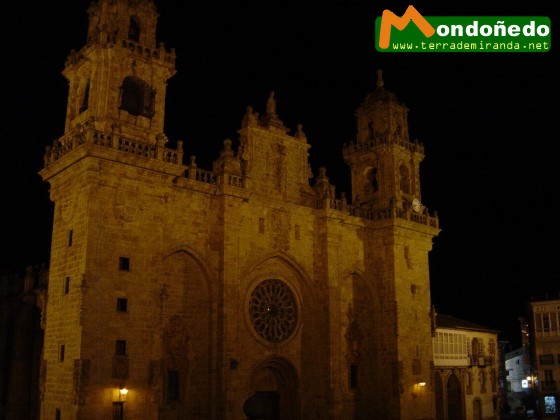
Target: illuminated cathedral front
247,290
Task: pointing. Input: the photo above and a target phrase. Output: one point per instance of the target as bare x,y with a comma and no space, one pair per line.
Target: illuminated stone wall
251,283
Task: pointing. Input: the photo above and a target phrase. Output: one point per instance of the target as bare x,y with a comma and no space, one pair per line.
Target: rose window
273,310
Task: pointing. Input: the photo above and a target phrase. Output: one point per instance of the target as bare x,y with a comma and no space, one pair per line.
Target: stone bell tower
119,78
113,147
384,162
385,172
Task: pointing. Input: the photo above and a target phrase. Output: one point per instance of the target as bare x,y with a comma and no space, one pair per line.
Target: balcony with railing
367,213
356,147
90,135
481,361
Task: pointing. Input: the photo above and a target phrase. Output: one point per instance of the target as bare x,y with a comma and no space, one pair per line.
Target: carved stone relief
176,341
280,230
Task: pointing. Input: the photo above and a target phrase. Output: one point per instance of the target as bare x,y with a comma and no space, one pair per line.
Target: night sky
489,123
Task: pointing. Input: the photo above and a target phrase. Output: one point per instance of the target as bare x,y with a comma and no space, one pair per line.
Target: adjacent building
251,289
545,322
466,370
518,366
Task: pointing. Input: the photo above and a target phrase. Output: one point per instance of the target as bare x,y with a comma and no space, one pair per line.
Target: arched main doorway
274,386
454,407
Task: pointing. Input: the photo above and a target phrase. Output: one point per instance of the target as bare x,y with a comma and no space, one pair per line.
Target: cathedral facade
249,290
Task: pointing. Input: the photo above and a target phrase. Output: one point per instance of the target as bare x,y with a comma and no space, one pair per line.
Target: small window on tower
124,263
57,414
85,97
122,304
67,285
70,237
61,351
120,347
172,385
372,178
353,376
134,29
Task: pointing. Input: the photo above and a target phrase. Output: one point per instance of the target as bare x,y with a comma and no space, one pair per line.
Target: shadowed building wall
21,342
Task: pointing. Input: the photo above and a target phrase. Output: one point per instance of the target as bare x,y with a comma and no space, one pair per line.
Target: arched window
371,184
405,179
477,348
372,178
134,29
138,97
84,97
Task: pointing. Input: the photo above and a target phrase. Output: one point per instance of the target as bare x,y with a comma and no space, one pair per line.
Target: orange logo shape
389,19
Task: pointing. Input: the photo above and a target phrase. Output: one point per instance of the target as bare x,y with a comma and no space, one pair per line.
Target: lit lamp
122,394
419,386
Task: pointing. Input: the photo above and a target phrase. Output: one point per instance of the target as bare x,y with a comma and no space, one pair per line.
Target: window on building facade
134,29
120,347
118,410
124,263
492,348
61,351
482,373
70,237
353,376
85,98
554,322
172,389
548,377
546,359
122,304
538,323
477,348
468,383
546,322
450,346
67,285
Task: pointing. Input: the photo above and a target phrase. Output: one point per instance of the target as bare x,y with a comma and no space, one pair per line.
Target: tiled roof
446,321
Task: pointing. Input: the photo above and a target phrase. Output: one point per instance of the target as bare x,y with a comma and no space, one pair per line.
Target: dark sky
489,123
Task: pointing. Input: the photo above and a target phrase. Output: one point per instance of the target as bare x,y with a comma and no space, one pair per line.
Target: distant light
422,383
